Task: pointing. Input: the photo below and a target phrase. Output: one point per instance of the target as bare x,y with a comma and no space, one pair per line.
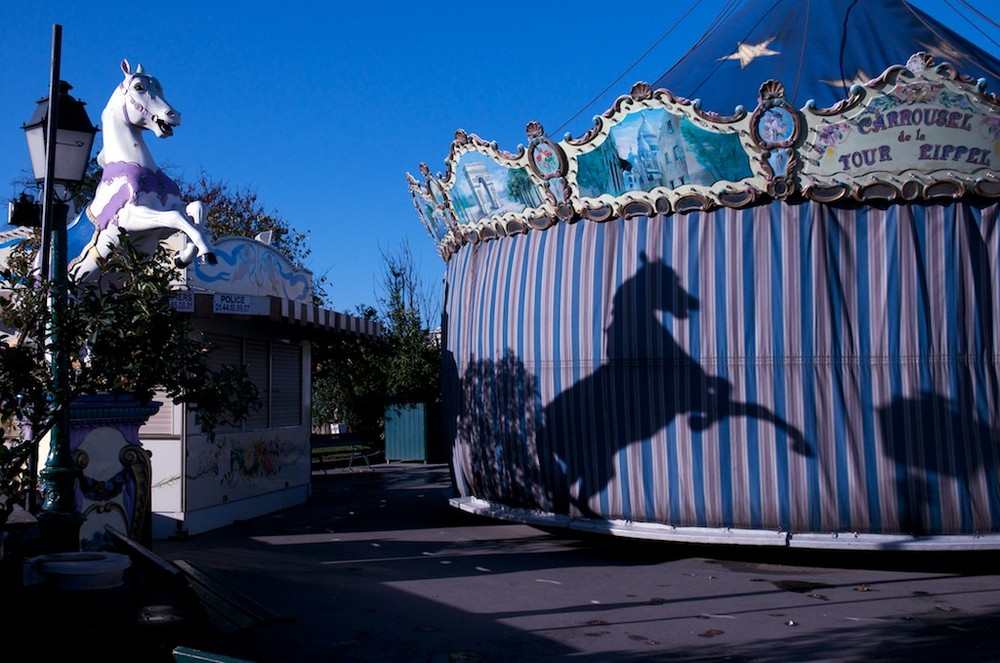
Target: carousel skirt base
729,535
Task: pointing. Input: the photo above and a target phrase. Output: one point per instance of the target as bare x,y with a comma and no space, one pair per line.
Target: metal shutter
286,385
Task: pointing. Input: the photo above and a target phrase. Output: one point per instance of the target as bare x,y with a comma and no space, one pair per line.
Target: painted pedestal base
115,487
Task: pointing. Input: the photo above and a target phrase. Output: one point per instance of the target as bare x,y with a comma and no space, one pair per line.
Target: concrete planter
83,571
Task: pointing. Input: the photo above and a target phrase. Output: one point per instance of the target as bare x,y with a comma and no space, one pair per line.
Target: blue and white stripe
872,333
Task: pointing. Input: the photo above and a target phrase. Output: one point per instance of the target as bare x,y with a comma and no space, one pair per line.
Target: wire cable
629,68
973,23
946,41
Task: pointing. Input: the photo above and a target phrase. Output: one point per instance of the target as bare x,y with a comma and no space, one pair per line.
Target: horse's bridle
127,90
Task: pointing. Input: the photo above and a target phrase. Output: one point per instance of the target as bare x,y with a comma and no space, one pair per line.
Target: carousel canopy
816,49
700,323
834,101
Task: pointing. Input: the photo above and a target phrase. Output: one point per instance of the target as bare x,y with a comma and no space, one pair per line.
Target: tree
413,367
348,380
240,213
721,155
521,188
354,378
121,336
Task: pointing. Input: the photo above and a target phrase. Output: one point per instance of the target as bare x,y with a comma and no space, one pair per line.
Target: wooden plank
225,616
137,550
226,608
231,605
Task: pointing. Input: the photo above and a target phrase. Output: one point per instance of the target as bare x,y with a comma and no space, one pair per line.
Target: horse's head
639,303
144,105
663,288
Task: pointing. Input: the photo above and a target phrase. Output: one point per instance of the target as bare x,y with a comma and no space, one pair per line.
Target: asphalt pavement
378,567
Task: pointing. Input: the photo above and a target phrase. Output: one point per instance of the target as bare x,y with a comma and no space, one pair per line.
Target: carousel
766,312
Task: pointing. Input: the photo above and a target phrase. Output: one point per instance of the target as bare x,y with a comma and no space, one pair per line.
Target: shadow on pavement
377,567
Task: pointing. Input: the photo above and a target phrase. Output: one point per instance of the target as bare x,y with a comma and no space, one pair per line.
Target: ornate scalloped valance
919,132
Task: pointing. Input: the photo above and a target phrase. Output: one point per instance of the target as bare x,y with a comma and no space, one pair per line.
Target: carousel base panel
728,535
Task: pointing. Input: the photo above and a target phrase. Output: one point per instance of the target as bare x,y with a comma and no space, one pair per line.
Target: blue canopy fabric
817,48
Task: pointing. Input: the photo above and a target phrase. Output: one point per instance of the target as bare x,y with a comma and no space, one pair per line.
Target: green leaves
121,337
14,455
354,378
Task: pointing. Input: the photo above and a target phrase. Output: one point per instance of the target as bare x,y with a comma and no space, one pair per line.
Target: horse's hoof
180,264
211,259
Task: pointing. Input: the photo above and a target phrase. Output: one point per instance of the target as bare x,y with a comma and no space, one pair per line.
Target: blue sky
322,108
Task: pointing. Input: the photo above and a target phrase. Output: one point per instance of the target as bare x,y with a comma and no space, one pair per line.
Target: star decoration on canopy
747,53
944,52
860,78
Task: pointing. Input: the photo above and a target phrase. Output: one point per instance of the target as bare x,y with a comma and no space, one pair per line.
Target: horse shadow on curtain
646,379
932,437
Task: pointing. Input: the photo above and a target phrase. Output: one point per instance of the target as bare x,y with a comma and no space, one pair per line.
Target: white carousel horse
134,194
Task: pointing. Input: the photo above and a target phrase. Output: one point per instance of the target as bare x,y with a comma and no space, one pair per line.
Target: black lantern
74,138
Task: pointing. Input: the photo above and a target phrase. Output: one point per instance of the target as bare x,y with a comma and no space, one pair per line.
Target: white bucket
83,570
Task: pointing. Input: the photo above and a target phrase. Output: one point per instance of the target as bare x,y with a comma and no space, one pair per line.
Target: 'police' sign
239,304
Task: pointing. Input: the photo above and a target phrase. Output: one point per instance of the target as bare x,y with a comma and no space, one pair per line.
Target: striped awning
275,310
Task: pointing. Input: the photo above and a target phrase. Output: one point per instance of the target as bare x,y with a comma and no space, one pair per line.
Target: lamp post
60,137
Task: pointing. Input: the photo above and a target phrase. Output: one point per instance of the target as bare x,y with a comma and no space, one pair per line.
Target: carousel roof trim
918,132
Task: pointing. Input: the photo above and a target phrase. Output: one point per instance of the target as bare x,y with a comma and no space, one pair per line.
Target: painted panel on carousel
487,193
654,153
919,130
652,148
484,188
429,211
549,162
249,267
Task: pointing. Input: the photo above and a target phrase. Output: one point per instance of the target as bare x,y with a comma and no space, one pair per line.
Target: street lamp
74,139
60,160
